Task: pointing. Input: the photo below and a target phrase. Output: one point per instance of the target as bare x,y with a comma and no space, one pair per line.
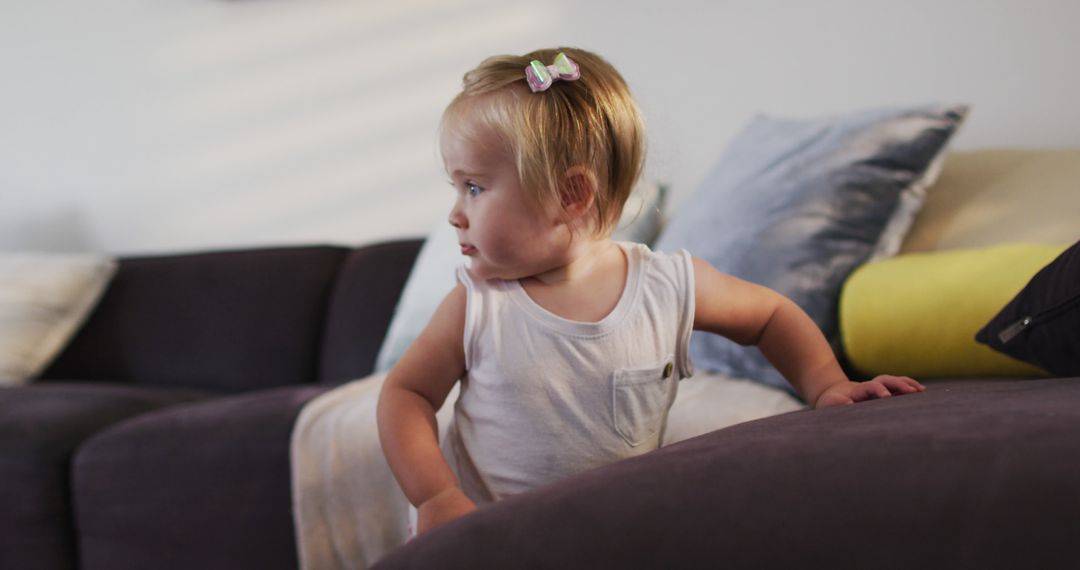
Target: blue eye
472,188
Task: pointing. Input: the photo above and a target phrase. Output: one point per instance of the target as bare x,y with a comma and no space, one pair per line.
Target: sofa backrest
230,321
361,308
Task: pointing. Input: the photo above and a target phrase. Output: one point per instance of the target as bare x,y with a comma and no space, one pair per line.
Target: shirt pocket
640,398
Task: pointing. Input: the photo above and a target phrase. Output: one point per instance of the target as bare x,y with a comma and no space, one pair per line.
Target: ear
577,192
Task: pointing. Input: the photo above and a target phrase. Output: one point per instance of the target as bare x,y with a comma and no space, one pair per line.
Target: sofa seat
40,427
969,474
181,488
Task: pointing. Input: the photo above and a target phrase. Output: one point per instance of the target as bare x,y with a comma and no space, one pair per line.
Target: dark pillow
1041,325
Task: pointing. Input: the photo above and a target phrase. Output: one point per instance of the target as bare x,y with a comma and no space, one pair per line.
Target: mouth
467,249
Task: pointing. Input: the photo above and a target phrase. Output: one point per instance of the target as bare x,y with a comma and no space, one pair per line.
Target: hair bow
541,76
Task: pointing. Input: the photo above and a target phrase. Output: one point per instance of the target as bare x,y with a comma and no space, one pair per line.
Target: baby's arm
414,390
750,314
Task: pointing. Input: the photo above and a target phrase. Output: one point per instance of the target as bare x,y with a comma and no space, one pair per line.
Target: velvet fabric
969,474
229,321
40,426
181,488
360,310
99,474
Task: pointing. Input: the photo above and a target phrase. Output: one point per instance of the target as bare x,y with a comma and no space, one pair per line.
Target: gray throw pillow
796,205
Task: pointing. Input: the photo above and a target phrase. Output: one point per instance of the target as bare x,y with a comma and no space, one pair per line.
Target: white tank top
544,397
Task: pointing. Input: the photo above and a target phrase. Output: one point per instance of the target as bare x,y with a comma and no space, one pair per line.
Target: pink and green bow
541,76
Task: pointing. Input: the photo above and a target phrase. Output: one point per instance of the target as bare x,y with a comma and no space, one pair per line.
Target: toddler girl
569,346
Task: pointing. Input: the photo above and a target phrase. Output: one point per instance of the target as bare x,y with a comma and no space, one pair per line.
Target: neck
584,258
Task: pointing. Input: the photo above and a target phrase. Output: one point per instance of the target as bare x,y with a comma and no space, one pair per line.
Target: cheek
510,231
504,241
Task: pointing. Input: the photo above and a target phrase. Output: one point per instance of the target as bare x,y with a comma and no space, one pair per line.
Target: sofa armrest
969,474
361,307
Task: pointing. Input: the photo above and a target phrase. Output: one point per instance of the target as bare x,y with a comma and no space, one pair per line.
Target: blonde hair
591,122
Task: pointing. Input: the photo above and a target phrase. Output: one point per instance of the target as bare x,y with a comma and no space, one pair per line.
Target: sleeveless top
545,397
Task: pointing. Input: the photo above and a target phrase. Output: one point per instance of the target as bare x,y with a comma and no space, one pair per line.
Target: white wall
131,126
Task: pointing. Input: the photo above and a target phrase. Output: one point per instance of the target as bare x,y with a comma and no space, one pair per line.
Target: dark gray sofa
159,438
971,474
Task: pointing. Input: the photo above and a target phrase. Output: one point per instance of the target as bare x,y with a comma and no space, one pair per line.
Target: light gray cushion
796,205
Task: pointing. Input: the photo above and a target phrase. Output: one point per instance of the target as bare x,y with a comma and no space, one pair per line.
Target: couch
159,438
969,474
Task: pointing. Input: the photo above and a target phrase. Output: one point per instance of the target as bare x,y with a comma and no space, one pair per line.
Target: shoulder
435,359
660,260
712,285
673,268
704,268
448,321
455,300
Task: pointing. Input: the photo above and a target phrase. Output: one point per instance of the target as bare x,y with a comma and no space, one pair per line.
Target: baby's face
503,230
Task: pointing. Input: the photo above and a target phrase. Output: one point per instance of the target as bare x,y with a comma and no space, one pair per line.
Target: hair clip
541,76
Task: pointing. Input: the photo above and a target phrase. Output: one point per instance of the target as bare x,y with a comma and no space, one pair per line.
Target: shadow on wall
236,123
60,230
316,124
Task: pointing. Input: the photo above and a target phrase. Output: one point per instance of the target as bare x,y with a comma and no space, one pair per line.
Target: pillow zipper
1012,331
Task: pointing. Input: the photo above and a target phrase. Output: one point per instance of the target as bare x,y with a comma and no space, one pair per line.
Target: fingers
881,389
870,390
887,386
884,386
915,383
901,384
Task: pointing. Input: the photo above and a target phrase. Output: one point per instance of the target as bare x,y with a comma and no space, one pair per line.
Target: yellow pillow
917,314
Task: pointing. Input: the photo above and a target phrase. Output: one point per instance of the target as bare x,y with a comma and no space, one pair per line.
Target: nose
457,217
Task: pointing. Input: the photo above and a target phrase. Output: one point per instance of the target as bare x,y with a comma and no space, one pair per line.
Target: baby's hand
444,507
883,386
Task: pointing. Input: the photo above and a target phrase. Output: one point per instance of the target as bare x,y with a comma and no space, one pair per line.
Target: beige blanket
348,509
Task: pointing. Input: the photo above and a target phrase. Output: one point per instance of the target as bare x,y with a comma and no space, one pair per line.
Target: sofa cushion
969,474
231,321
361,306
202,486
991,196
40,427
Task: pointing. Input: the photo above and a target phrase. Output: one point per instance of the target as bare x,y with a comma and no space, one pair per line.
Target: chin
486,272
480,270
